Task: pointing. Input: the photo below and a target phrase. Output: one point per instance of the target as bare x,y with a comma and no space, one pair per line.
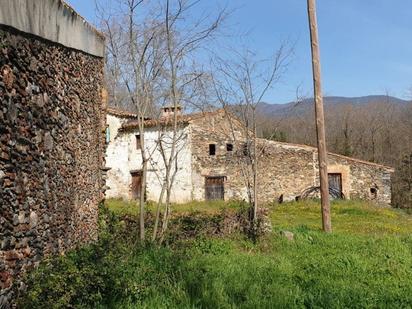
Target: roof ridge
329,153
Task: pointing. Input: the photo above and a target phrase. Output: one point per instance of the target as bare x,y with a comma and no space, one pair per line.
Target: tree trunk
142,201
157,219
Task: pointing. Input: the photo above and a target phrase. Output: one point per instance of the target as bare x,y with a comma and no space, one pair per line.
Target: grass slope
348,217
365,263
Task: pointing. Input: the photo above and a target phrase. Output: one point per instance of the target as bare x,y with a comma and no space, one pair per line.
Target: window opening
138,141
212,149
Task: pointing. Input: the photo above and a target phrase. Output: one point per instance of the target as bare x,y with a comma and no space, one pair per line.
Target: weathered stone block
33,219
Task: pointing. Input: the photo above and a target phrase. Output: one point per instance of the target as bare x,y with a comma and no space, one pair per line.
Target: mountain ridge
273,109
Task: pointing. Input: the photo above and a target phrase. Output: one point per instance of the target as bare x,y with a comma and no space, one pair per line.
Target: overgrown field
365,263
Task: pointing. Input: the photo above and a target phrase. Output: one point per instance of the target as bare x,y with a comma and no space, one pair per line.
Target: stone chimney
169,111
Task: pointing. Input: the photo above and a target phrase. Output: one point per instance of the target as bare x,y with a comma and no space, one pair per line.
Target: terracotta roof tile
168,121
120,113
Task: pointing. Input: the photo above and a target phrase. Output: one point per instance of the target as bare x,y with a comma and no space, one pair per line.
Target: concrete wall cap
53,20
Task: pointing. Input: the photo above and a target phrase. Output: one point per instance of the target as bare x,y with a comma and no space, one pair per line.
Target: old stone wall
285,170
219,129
364,176
51,151
288,170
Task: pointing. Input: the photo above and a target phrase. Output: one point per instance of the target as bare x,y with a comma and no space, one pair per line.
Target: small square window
212,149
246,149
138,141
107,134
229,147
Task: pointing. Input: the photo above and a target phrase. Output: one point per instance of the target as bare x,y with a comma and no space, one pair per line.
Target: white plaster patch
122,156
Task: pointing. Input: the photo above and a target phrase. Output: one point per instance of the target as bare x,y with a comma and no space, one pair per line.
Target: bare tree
136,53
241,83
182,86
152,52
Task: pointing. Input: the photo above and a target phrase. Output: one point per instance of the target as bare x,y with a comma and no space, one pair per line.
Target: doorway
136,185
215,188
335,185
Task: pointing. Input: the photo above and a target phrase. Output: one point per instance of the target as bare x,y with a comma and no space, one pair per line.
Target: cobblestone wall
51,151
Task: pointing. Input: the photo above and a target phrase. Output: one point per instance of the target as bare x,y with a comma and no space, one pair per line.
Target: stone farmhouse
211,160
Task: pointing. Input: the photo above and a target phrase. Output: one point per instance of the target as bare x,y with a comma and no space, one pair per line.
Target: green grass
121,207
348,217
315,270
365,263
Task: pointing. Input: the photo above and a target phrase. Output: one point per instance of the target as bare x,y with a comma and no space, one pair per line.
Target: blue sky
366,45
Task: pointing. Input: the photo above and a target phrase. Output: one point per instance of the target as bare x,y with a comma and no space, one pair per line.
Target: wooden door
335,184
136,184
215,188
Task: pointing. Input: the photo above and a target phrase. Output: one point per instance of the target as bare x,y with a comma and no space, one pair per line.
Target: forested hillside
374,128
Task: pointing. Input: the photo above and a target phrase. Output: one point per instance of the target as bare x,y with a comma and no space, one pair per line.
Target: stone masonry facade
52,141
297,170
285,171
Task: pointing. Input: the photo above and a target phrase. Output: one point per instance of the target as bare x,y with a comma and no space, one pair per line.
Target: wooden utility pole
320,118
